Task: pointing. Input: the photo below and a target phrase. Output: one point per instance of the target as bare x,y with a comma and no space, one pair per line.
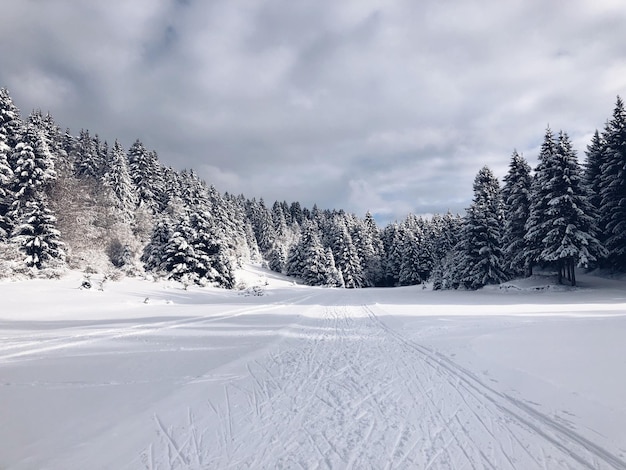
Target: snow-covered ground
148,375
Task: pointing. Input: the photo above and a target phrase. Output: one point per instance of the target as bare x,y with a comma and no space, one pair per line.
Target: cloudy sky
388,106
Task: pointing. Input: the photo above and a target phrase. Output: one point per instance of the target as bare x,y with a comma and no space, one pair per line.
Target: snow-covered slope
148,375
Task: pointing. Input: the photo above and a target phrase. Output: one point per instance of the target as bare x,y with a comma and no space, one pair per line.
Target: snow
149,375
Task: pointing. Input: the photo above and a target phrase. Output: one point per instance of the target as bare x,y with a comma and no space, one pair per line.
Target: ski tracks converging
352,392
16,347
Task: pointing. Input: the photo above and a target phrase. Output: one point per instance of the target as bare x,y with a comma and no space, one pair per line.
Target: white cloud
389,104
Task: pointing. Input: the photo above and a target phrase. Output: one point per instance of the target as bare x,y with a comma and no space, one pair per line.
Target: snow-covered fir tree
537,226
213,265
277,258
146,173
516,198
593,168
154,253
118,180
10,120
366,237
612,187
36,235
346,256
179,257
6,194
33,172
333,275
294,266
279,220
410,249
392,242
313,257
480,254
570,228
88,163
262,224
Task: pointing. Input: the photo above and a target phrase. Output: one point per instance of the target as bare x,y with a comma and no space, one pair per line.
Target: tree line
78,202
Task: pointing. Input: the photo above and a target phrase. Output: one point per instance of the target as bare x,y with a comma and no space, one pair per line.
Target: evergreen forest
80,202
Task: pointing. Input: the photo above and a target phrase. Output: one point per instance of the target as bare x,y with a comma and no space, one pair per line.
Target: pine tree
333,275
212,264
612,187
117,178
36,235
179,256
392,242
313,257
6,193
146,173
409,275
345,253
277,259
87,158
153,255
570,239
366,236
482,259
262,225
537,227
593,168
295,260
10,120
516,198
33,171
296,213
279,221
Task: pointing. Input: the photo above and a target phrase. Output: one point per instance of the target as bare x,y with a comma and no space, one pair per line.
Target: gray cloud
363,105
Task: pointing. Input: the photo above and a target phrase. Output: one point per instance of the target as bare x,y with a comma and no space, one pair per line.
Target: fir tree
6,194
612,187
313,257
333,275
36,235
570,239
409,275
179,256
296,213
279,221
370,249
87,158
537,227
392,242
33,171
154,253
146,173
481,257
262,224
295,260
516,198
593,168
117,178
345,253
277,259
212,263
10,121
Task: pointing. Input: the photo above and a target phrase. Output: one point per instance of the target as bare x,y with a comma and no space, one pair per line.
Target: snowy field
148,375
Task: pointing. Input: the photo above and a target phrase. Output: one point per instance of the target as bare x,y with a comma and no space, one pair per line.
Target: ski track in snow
18,347
358,394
